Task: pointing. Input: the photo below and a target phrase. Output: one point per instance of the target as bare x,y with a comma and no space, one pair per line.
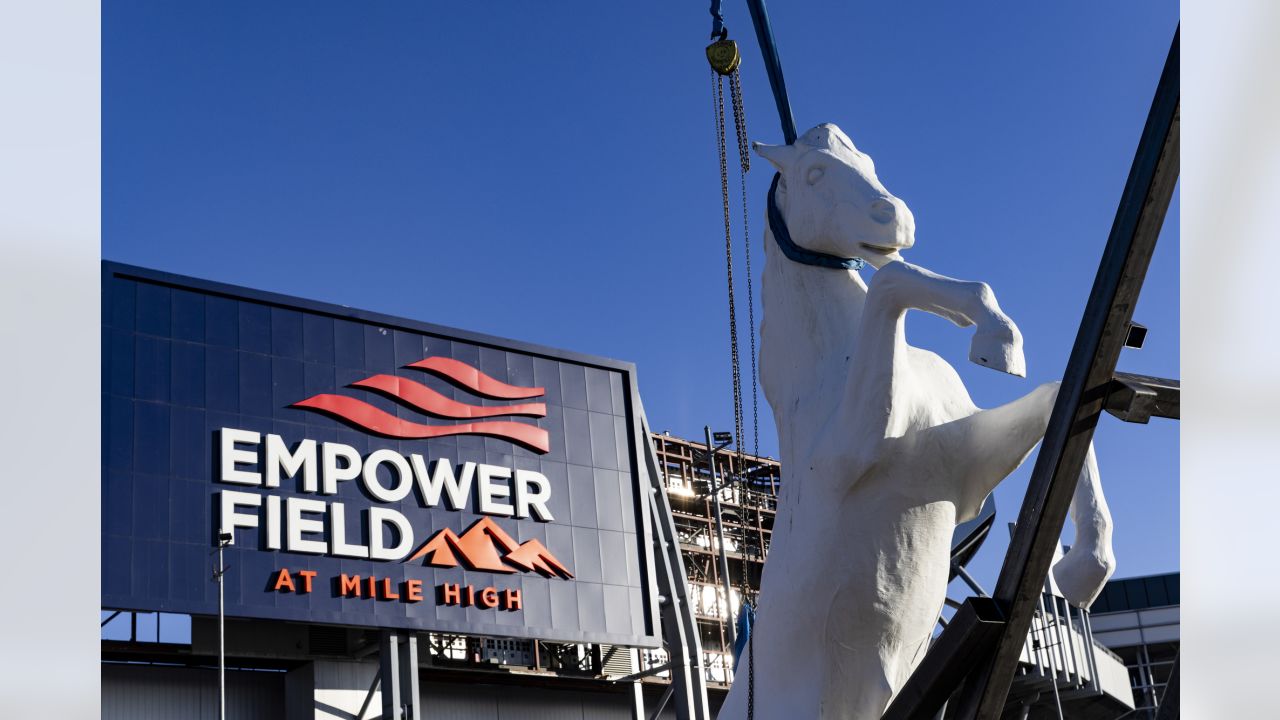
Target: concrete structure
1139,619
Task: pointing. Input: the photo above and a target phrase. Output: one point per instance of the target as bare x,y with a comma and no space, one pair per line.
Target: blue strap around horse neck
795,252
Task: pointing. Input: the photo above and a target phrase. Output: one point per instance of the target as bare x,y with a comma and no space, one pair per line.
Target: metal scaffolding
748,492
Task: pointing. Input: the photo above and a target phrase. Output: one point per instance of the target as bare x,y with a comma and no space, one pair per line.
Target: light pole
224,539
724,439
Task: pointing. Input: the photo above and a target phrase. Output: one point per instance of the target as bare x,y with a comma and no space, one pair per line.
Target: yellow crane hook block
723,56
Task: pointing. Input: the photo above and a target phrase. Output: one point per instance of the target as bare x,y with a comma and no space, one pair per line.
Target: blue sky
547,172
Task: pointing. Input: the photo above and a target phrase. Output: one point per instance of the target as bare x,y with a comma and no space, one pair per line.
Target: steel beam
1082,396
679,627
727,619
637,701
1168,709
368,696
662,703
1138,398
968,580
972,632
398,673
389,673
643,673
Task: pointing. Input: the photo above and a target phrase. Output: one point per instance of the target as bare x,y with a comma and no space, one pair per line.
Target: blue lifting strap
773,66
746,618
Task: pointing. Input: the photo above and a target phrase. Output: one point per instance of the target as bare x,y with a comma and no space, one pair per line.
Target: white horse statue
884,451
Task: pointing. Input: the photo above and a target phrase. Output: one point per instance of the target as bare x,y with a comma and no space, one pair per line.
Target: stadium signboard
369,470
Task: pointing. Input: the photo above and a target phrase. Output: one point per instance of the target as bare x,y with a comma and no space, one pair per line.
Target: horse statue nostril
883,211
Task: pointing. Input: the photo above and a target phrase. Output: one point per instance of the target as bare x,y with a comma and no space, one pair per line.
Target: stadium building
1139,619
471,508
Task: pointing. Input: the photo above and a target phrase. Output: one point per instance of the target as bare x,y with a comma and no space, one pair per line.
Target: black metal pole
724,560
222,639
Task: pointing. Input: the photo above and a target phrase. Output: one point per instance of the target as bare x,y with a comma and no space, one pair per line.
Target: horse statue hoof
999,348
1082,573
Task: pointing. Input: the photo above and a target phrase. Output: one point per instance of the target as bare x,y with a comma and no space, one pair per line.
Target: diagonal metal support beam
968,580
1138,398
662,703
971,634
679,627
642,674
1083,394
368,696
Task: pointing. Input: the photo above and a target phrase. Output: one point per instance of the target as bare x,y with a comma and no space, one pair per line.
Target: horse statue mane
883,450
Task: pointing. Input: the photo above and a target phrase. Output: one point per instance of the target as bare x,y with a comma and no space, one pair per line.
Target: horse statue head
832,200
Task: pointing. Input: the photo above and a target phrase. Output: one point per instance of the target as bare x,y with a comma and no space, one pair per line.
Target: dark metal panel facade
184,359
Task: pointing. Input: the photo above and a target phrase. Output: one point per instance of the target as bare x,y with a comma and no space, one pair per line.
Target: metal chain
751,671
728,257
744,166
744,160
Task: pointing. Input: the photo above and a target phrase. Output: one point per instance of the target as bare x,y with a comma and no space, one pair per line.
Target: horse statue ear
779,156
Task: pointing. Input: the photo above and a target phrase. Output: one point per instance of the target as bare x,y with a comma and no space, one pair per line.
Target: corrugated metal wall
151,692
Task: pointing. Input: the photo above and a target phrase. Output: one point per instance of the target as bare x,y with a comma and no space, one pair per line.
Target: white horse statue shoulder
884,452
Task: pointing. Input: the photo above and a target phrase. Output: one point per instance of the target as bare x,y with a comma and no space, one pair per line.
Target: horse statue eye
814,175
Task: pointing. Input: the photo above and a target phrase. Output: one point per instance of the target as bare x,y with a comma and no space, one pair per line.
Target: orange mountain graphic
485,546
